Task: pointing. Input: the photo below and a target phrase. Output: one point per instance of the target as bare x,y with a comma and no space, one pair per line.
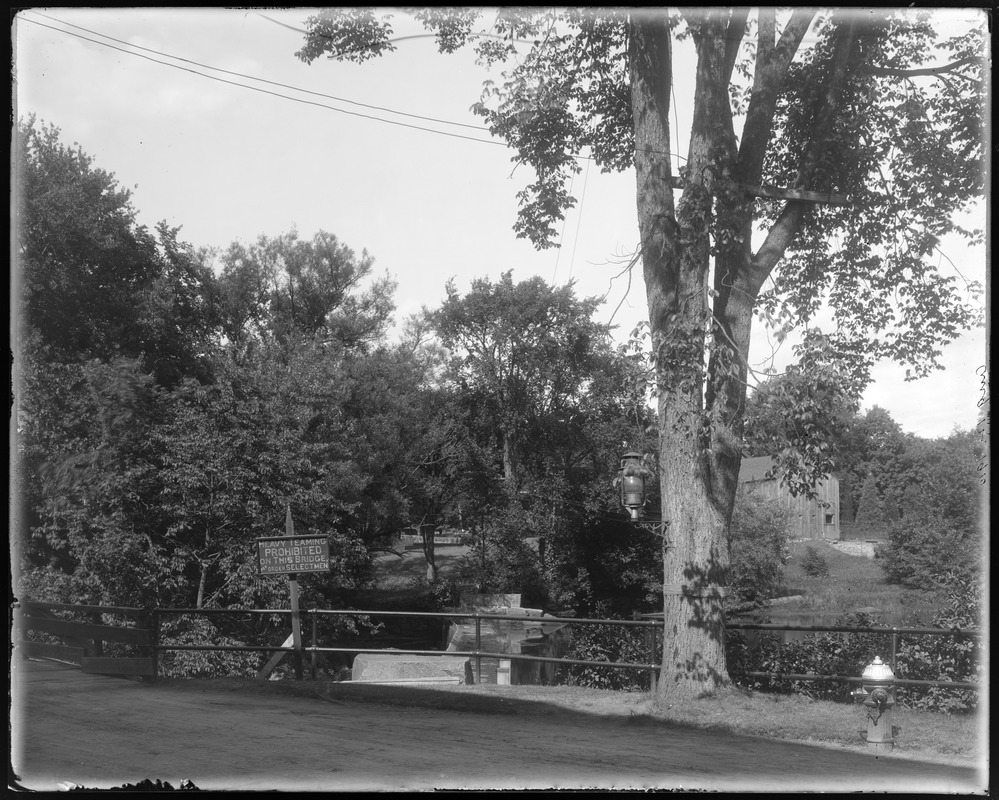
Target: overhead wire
561,236
579,219
292,88
132,48
265,80
260,80
651,151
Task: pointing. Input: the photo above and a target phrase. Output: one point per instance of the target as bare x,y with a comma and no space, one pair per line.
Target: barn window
829,519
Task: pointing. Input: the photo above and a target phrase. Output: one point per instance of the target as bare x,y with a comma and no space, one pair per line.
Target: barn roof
755,469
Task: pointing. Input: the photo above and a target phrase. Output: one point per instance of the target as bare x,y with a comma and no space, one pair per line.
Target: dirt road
100,732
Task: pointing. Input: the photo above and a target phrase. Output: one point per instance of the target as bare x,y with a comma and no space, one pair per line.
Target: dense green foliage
611,644
547,401
869,113
948,657
149,465
162,431
943,658
759,539
94,283
923,498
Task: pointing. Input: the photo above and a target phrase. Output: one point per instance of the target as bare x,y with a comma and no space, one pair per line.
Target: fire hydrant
877,693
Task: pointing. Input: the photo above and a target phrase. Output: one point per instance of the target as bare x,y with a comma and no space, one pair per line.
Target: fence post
312,641
894,646
478,648
153,620
97,619
652,673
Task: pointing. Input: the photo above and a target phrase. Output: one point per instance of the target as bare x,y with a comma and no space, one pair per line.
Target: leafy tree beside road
548,403
94,283
167,417
285,287
791,110
530,349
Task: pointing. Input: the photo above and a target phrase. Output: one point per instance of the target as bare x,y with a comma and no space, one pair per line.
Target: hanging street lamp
631,484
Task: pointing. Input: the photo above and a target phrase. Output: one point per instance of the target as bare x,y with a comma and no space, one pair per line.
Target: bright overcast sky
216,127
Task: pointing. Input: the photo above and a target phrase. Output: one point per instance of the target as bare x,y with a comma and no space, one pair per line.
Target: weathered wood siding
816,518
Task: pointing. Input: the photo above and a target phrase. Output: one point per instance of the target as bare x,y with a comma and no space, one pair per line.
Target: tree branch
778,239
913,73
787,224
771,69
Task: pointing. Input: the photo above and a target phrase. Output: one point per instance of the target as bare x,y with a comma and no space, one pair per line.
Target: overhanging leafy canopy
904,142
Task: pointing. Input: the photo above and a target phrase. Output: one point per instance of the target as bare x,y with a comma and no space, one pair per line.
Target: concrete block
393,667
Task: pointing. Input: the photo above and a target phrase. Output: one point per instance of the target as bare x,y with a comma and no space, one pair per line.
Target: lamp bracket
658,527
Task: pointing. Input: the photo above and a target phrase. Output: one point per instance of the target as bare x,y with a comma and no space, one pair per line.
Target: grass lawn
926,736
920,734
853,582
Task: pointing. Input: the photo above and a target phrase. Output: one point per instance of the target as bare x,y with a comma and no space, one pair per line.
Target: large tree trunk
675,254
700,412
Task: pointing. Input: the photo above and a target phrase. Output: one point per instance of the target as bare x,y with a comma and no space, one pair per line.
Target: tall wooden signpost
277,555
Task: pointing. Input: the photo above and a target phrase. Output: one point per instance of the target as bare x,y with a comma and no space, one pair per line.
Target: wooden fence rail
82,642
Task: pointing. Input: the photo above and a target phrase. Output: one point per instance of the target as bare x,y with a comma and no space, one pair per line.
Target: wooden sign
279,555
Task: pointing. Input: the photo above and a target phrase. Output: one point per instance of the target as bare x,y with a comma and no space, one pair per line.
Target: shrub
929,552
938,532
203,663
759,537
814,563
611,643
953,658
945,658
844,654
500,559
439,595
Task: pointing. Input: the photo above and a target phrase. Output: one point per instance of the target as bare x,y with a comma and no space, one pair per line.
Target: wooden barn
817,518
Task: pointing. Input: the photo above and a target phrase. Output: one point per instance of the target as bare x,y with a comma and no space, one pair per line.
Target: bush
203,663
759,537
844,654
929,553
945,658
611,643
439,595
872,516
814,563
500,559
948,658
938,532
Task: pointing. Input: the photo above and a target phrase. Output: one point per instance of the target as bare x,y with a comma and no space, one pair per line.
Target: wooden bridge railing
81,641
